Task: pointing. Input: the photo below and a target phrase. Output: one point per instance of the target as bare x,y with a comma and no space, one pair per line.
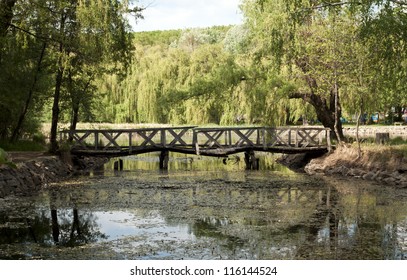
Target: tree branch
46,39
326,5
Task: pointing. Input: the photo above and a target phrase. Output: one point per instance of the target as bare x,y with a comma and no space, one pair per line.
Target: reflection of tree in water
62,227
209,227
24,229
333,235
275,227
71,229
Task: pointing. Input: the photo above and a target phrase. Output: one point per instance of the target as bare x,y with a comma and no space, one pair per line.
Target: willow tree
384,35
191,80
293,42
307,44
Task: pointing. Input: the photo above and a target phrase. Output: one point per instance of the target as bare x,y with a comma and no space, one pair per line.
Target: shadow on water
205,209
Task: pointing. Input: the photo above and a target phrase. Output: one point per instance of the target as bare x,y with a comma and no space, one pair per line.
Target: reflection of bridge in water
234,217
215,142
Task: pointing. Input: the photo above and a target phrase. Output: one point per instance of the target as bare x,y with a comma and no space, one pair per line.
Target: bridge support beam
252,163
118,165
164,158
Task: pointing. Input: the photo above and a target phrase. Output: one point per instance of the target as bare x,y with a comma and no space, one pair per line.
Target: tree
184,81
88,32
22,79
307,44
70,42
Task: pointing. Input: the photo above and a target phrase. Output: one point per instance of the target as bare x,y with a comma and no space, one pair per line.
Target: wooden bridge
215,142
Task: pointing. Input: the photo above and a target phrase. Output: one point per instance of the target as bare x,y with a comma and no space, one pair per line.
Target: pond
205,208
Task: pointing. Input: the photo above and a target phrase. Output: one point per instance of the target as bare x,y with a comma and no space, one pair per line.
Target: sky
182,14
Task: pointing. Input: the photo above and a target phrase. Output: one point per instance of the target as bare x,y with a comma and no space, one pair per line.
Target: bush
4,159
23,146
3,156
39,138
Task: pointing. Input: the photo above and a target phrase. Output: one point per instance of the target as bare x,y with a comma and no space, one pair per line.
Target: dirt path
17,157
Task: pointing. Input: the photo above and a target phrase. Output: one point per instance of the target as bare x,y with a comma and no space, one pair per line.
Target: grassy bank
23,146
388,158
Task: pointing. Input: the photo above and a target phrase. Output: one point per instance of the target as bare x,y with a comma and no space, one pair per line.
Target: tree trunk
76,99
328,111
58,84
74,103
357,132
75,117
55,106
17,129
326,114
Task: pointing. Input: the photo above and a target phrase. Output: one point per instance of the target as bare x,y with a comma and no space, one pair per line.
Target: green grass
397,141
23,146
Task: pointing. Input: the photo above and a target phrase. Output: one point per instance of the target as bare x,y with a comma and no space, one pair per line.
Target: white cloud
181,14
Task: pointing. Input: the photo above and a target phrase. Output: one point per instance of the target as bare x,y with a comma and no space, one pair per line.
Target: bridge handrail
203,138
126,129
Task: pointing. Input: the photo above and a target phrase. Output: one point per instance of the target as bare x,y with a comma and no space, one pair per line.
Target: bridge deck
217,142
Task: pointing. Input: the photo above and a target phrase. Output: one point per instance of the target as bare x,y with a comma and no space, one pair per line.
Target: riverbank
29,173
386,164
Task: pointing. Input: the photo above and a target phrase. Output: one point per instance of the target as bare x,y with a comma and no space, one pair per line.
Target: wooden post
247,160
296,138
195,142
289,137
163,138
130,142
252,163
382,138
96,140
264,137
328,139
118,165
164,158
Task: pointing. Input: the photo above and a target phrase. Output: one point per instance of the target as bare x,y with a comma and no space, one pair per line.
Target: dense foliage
73,60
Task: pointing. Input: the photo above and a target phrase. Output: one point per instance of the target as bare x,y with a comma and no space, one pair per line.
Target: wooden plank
178,137
212,139
244,137
219,139
112,139
96,140
306,138
163,138
80,139
130,142
147,138
276,138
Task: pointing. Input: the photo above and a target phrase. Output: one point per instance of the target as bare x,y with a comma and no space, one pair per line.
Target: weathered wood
148,139
217,142
382,138
164,158
252,163
178,137
118,165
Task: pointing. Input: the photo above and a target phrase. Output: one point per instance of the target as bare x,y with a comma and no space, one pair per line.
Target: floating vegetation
146,214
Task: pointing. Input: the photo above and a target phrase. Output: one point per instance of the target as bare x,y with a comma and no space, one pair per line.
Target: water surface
205,208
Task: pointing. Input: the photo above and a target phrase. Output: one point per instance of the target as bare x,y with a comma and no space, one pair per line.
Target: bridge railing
226,138
117,140
192,139
297,137
266,137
